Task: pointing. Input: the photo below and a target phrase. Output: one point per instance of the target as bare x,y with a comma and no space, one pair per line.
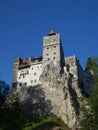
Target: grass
14,121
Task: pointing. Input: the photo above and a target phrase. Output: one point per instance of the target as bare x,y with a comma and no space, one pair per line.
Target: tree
4,91
90,120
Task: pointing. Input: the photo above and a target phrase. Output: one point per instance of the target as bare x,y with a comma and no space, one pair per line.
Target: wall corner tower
15,72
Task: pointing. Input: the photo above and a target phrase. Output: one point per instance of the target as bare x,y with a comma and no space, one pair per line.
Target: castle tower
15,73
52,49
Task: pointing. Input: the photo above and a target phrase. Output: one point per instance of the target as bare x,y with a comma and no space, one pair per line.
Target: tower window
35,73
53,57
20,84
54,53
47,48
35,80
47,54
25,83
31,81
48,58
54,46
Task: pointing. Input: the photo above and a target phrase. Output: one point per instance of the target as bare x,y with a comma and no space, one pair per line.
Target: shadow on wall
30,100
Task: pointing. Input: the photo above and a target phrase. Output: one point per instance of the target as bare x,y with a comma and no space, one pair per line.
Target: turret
52,49
15,71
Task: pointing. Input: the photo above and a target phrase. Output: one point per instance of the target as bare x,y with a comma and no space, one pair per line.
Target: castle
28,71
51,84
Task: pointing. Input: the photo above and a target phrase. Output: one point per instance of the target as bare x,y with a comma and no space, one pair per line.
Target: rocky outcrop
29,100
63,91
57,94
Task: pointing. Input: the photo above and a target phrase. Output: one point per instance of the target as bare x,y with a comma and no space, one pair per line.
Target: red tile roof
51,32
26,62
18,59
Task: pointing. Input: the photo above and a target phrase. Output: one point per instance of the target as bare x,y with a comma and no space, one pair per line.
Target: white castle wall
71,63
35,72
23,77
30,76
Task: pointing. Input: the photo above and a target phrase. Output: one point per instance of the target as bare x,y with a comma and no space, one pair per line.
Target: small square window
31,81
54,46
25,83
20,84
47,48
53,57
48,58
35,80
35,73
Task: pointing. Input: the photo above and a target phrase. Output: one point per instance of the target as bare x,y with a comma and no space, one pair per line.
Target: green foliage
90,119
87,123
14,121
92,64
4,91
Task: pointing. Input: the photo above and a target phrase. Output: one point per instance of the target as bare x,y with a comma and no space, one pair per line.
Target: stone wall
85,80
52,49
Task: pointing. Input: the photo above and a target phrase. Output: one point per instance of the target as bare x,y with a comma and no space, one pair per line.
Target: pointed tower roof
18,59
52,32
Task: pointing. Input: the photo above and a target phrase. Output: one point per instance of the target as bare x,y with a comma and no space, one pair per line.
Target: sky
23,23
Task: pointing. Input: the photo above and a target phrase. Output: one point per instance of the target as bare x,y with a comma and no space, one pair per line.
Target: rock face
57,94
63,91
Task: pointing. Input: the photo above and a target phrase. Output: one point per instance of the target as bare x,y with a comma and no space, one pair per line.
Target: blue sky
23,23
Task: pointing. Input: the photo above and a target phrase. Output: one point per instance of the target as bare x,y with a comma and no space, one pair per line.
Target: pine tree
90,120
